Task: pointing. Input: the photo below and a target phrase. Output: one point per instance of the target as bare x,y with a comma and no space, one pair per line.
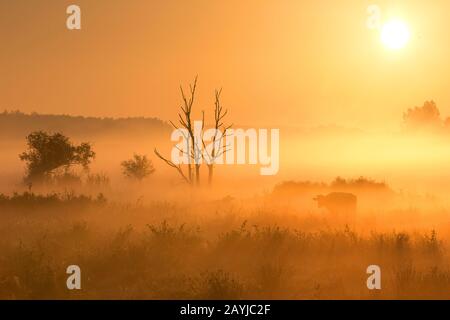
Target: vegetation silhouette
49,152
196,152
138,168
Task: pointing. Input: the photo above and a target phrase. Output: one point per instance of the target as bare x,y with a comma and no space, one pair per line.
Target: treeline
16,124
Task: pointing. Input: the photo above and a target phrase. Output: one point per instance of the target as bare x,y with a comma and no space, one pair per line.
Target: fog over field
244,236
211,149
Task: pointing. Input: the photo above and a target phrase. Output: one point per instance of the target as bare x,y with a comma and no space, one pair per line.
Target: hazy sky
280,62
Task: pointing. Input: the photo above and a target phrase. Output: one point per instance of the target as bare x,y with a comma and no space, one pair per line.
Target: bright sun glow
395,34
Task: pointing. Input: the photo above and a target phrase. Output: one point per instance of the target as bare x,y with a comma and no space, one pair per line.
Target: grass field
224,249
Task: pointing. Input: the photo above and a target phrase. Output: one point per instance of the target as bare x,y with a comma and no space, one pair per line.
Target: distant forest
15,124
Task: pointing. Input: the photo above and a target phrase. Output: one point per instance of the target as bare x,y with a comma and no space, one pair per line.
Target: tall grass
176,251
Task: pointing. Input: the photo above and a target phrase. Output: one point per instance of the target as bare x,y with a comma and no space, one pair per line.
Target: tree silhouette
138,168
427,116
218,146
186,123
49,152
194,147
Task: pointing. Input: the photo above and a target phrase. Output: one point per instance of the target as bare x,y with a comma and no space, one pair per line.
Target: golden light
395,34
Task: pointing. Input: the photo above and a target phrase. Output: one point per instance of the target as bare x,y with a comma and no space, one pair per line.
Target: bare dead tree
196,150
185,122
219,148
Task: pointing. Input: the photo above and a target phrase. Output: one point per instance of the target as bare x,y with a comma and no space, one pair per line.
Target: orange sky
280,62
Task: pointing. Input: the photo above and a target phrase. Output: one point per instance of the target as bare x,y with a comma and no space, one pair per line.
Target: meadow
253,248
244,237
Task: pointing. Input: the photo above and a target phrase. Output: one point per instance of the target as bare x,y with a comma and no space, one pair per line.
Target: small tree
48,152
138,168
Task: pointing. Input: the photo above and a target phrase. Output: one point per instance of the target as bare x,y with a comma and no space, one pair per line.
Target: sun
395,34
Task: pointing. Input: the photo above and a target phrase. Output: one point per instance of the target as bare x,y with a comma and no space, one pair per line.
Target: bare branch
173,165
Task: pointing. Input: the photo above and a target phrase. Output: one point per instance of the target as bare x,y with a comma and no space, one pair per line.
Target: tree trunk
197,174
210,174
